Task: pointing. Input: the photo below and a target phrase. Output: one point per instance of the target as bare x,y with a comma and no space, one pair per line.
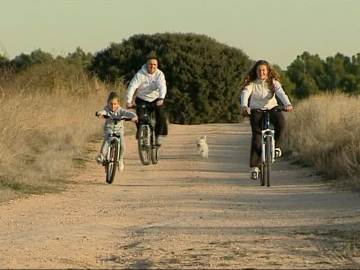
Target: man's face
152,65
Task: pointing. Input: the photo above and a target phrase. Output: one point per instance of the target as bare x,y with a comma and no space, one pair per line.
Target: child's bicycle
111,161
267,145
148,149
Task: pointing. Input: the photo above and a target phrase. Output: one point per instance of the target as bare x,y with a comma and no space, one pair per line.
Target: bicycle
147,147
267,145
111,161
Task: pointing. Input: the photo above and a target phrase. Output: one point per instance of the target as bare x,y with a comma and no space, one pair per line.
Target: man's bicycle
111,161
267,145
147,147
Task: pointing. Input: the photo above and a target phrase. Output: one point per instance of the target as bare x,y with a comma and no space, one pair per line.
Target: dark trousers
256,120
161,127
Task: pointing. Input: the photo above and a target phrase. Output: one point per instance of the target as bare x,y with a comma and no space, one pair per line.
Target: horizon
59,27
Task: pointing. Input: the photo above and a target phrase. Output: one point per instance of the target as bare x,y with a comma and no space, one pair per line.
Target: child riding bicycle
114,110
262,86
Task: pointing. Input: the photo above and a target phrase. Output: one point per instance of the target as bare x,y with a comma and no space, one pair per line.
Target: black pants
256,120
161,127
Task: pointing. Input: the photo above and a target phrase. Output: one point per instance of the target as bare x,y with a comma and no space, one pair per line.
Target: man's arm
162,86
134,84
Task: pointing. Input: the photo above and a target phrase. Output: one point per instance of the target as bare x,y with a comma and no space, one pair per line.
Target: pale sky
276,30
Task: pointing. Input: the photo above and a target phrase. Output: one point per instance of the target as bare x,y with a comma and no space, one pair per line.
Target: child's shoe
100,159
254,173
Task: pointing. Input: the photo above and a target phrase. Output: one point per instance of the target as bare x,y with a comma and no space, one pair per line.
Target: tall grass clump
47,119
324,131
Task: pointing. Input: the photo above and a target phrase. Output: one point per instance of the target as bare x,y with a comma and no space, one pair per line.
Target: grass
324,131
46,125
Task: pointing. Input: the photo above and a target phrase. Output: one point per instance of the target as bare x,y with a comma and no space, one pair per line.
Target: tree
24,61
80,58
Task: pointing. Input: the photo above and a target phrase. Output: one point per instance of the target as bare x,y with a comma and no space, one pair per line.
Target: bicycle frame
267,131
114,137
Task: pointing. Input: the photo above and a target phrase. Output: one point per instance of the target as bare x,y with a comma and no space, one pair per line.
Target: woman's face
152,65
262,72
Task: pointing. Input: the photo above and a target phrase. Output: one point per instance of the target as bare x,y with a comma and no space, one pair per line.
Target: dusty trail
186,213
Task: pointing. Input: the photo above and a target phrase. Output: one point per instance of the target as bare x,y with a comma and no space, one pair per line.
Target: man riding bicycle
148,87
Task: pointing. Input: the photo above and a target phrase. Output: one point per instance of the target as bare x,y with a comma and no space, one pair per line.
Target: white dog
203,148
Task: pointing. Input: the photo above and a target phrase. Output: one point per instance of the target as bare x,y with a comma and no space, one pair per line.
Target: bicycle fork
267,133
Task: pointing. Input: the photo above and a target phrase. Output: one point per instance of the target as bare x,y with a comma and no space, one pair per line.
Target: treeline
204,76
310,74
24,61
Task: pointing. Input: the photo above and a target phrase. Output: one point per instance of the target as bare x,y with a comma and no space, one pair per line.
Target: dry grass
47,119
325,131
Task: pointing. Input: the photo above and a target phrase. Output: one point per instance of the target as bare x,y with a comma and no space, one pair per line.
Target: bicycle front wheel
111,163
268,158
262,174
144,146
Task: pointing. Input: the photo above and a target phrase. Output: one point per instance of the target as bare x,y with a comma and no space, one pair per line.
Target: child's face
262,72
114,104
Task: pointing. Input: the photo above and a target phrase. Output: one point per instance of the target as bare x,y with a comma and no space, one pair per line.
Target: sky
276,30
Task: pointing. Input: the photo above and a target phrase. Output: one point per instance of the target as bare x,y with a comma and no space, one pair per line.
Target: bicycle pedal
254,176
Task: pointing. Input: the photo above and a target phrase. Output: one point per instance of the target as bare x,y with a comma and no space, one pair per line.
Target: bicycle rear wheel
144,146
111,163
155,154
268,158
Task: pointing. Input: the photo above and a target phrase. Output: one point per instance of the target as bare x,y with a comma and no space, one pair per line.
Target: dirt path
186,213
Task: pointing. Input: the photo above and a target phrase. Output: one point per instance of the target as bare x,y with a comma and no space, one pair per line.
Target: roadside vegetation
47,120
324,131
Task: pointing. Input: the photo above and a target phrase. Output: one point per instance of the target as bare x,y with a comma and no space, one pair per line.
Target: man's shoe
159,140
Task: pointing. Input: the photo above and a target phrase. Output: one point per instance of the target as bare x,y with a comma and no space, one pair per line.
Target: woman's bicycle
147,147
267,145
111,161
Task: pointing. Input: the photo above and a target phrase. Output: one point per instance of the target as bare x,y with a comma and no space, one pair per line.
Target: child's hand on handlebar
99,114
289,108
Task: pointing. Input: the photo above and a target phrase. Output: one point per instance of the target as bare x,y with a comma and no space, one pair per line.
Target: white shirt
148,87
261,96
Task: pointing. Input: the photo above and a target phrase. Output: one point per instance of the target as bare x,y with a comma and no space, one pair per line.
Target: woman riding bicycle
149,88
262,86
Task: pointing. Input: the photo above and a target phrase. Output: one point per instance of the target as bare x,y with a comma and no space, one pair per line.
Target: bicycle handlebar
275,109
106,116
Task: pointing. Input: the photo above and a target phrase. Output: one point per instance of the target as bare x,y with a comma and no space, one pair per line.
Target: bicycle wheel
268,159
262,175
155,154
144,146
111,163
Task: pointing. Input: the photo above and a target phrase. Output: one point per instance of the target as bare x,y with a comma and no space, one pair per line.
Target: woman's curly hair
252,74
